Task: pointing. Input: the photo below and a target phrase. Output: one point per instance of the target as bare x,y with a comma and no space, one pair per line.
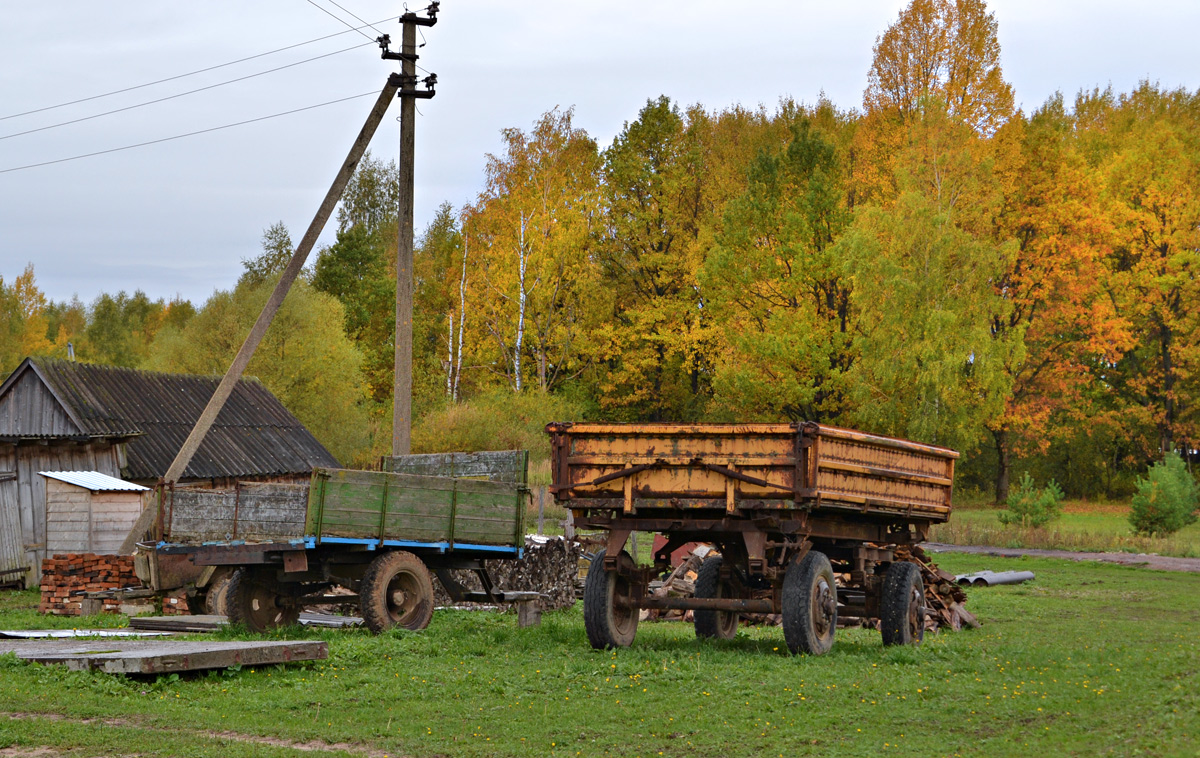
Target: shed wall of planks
23,497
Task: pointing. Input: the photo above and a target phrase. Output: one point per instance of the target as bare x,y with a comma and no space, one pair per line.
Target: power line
189,134
356,18
181,94
333,15
192,73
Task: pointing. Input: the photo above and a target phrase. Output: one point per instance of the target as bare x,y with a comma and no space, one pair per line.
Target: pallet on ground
120,656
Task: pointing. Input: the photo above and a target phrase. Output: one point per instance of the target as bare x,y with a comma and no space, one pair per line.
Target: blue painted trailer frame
309,543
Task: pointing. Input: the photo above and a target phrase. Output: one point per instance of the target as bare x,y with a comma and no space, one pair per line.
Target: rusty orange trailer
806,518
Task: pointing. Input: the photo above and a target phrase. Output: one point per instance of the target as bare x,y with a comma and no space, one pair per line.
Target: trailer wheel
809,605
397,590
216,598
719,624
607,625
253,599
902,607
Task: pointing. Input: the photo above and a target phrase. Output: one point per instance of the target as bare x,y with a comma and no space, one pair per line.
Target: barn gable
152,413
29,408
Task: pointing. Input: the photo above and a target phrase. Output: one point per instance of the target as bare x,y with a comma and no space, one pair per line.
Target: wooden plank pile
944,598
68,577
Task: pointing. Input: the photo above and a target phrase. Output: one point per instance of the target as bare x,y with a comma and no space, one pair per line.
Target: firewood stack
549,566
66,578
943,597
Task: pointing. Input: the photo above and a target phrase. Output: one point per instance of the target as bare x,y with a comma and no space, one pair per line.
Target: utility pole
267,315
402,387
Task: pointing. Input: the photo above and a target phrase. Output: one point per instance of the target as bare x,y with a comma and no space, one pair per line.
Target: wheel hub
916,613
824,606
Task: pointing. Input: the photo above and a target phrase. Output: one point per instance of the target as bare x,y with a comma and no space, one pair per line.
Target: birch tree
533,231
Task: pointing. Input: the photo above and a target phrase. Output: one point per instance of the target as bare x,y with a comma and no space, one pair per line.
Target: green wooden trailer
260,553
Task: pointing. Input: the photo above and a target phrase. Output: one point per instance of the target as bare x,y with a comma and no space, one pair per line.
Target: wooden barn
65,416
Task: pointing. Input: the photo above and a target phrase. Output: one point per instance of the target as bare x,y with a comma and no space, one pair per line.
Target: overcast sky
178,217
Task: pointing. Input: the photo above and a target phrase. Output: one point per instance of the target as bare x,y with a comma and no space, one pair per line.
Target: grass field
1099,527
1089,660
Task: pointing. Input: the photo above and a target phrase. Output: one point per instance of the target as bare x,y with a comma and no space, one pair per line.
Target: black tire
608,626
809,605
216,596
902,606
396,590
714,624
254,600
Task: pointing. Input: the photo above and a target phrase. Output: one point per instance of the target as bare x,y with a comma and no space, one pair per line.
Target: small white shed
89,512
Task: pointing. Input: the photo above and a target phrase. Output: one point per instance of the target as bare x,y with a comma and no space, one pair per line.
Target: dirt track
1149,560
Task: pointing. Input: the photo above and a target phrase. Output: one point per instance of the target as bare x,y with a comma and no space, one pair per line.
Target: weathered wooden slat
509,466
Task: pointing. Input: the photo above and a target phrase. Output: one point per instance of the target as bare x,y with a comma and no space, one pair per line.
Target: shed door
12,550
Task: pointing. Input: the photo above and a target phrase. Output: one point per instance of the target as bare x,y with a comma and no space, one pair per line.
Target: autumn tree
121,328
532,235
24,322
1153,174
1053,206
440,284
941,50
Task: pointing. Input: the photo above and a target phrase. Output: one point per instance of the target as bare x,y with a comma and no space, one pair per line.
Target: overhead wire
331,14
193,73
188,134
356,18
181,94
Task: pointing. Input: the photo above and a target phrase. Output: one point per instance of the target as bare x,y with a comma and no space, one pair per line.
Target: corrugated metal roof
254,435
94,481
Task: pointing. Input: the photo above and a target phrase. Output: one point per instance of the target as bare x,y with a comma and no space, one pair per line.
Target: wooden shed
60,415
89,512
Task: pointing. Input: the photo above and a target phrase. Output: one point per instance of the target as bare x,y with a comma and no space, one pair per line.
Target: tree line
936,265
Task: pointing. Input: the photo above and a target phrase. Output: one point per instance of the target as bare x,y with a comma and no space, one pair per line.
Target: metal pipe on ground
993,578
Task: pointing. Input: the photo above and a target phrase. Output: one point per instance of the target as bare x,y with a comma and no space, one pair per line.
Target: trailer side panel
747,467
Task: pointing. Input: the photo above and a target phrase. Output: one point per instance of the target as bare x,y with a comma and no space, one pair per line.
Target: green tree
774,284
121,328
277,250
355,269
1030,506
372,198
1166,500
928,366
305,359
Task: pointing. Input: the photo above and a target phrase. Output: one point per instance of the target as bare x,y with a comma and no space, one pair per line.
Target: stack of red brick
66,579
